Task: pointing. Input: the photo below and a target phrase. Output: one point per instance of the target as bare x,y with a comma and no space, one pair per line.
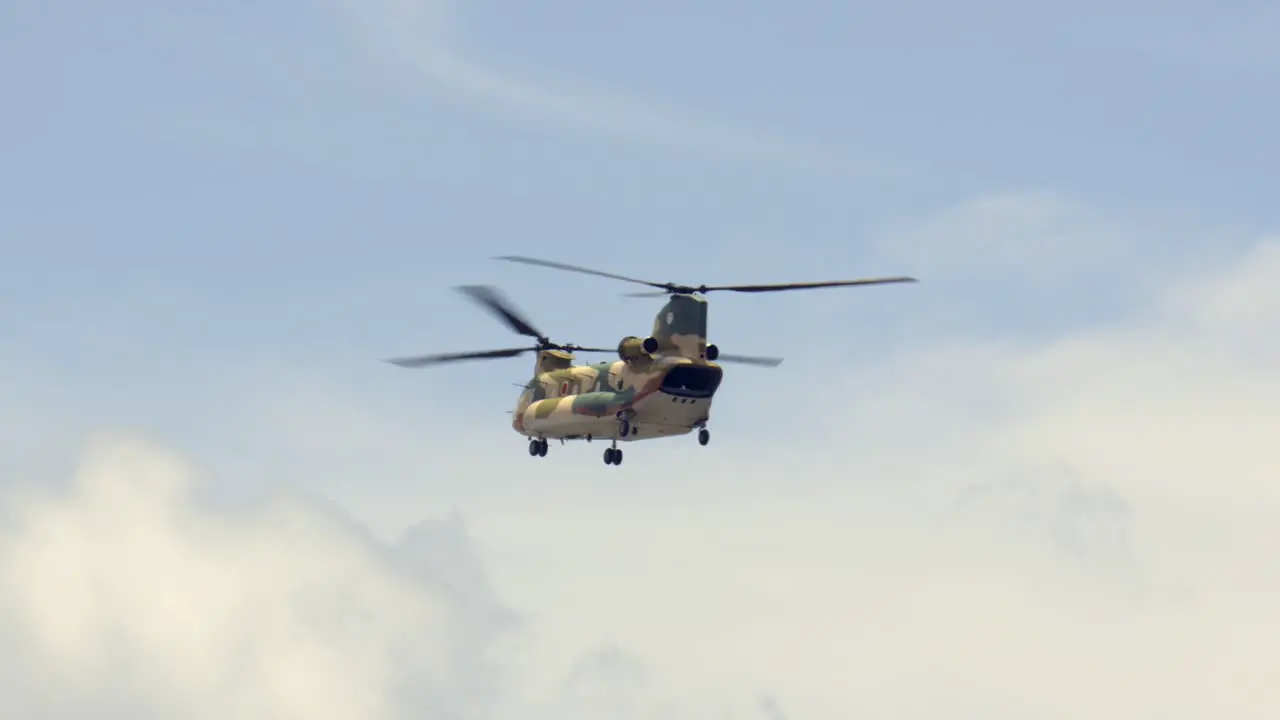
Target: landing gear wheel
704,436
542,448
612,456
624,428
538,448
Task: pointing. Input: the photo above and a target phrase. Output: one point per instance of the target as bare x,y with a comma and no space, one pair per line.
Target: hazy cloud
1040,237
1060,527
420,33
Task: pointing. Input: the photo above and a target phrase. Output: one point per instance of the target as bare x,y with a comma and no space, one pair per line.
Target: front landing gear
704,436
538,447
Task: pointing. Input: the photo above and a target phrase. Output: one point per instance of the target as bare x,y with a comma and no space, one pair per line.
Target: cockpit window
692,381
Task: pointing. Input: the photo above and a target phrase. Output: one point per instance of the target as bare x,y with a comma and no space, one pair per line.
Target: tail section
681,327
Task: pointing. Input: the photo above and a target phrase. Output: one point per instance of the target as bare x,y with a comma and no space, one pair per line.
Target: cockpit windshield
692,381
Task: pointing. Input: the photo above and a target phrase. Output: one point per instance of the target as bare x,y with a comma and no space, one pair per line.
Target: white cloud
1078,526
1191,374
132,593
420,34
128,589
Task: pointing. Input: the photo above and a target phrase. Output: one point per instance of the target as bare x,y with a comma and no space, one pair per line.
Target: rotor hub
500,307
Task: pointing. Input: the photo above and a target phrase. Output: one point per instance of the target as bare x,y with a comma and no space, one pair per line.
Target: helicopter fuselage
661,385
623,400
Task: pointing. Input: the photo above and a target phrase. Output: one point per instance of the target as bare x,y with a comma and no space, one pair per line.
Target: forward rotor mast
490,299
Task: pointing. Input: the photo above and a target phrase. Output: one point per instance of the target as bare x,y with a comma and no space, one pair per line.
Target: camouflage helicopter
661,385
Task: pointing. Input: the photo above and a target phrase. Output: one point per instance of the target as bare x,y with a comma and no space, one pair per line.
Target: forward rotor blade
491,299
749,360
775,287
577,269
425,360
577,349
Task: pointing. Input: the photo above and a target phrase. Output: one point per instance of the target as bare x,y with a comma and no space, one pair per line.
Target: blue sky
216,220
306,184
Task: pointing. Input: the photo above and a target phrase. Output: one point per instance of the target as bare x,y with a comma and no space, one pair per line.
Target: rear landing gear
704,436
538,447
613,455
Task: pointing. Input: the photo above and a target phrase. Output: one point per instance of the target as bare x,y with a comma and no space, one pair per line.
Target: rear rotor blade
775,287
491,299
426,360
577,269
749,360
669,288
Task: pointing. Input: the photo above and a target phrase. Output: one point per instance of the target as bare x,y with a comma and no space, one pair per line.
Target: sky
1034,485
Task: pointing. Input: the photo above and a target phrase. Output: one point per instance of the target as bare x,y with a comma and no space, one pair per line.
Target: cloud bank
130,594
127,591
1078,525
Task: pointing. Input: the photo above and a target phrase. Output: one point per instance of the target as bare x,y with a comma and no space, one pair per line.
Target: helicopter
661,385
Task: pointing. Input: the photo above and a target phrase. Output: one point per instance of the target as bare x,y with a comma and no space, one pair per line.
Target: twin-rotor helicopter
661,385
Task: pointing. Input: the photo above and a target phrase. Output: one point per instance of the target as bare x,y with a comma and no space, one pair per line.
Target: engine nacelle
712,352
631,348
